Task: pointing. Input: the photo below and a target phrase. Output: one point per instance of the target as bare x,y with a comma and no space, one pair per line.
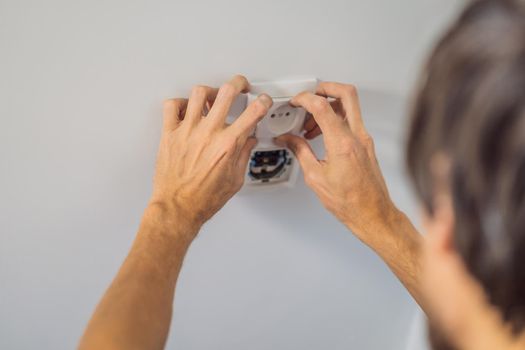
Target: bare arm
200,166
349,182
400,246
135,312
350,185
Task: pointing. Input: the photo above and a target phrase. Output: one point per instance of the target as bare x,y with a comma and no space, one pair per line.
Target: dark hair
471,108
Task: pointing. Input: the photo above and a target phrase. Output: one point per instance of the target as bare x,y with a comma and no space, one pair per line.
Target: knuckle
300,96
367,140
239,183
199,90
310,178
320,105
228,89
303,94
292,146
169,104
350,90
259,108
301,149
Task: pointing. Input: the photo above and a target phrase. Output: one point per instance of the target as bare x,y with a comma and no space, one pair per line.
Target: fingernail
267,100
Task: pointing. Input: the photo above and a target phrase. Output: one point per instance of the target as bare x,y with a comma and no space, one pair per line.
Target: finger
321,110
244,125
347,94
310,123
211,100
199,97
302,151
173,110
312,134
244,155
225,98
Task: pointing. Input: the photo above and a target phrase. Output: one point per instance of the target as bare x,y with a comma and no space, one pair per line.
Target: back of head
471,107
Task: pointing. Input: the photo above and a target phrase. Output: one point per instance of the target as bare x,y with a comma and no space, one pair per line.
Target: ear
441,223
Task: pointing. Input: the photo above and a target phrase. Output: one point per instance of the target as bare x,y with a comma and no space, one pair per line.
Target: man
466,155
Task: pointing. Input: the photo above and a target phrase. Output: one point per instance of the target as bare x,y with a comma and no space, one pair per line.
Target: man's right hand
348,181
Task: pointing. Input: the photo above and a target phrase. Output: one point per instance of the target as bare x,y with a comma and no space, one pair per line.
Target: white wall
80,90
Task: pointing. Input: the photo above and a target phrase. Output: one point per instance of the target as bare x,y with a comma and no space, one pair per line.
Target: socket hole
287,113
272,116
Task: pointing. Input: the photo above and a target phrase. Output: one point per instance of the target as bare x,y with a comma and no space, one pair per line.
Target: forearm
135,312
399,245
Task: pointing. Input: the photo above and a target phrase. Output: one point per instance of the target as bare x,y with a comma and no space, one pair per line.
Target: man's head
466,156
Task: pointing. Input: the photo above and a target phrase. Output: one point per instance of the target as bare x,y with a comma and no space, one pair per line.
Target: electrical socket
281,118
271,164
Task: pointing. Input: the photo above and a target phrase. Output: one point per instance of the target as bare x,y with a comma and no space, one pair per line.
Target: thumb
301,149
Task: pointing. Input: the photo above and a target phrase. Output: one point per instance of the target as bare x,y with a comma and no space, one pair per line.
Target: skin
201,165
349,182
459,306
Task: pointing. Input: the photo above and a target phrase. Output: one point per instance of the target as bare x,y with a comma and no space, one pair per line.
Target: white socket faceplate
282,118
